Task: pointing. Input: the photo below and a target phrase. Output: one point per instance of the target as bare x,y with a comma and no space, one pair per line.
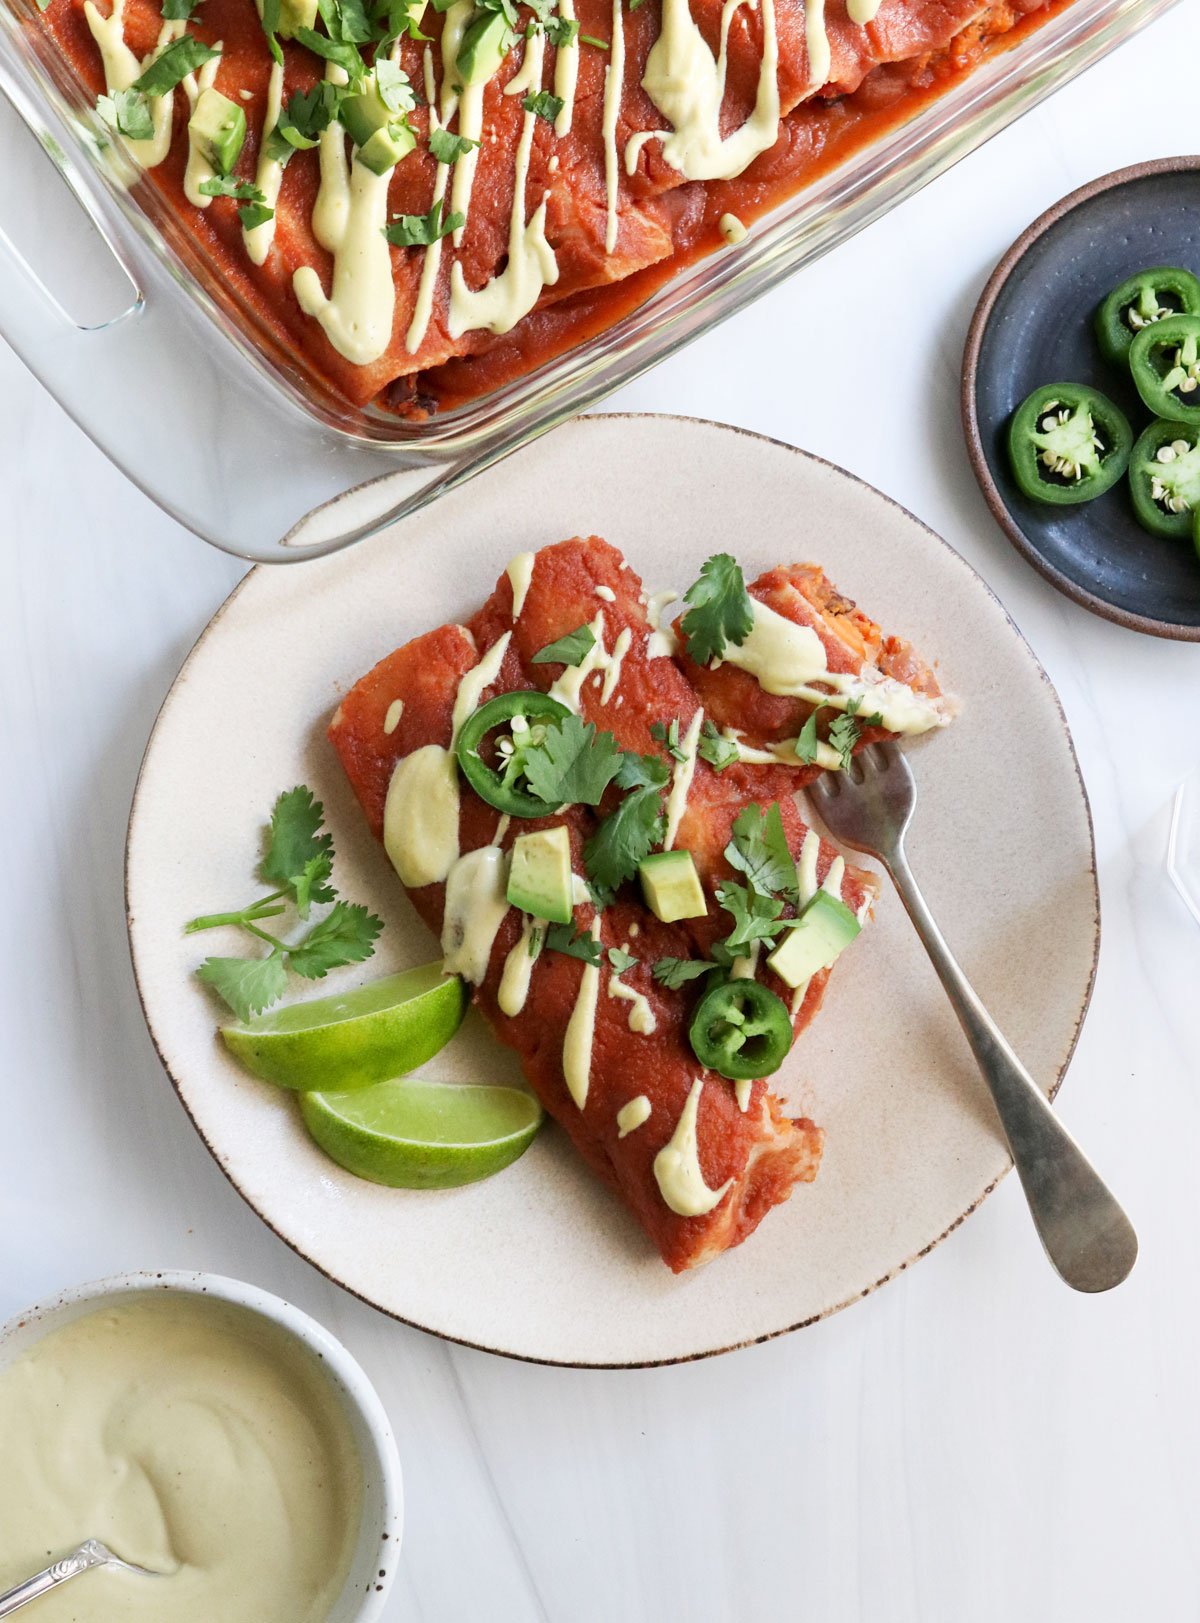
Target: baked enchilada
594,812
421,199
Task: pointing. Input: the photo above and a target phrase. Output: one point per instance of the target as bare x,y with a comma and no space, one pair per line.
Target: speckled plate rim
633,419
970,373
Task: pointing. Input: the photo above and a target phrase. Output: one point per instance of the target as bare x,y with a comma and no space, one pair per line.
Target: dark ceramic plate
1033,326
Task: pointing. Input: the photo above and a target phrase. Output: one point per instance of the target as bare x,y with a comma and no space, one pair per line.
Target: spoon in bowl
91,1553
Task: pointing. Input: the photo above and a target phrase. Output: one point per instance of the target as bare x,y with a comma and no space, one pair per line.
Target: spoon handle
1087,1236
79,1560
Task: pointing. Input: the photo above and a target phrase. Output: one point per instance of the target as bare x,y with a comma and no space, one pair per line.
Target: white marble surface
972,1444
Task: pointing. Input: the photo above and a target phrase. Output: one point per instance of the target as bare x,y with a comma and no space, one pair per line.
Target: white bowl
376,1555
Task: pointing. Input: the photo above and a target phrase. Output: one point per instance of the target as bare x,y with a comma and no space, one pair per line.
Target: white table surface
971,1444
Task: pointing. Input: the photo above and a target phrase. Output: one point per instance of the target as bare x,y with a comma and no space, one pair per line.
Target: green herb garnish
299,862
720,611
183,56
759,849
668,734
254,210
178,11
715,748
612,854
621,961
421,230
128,113
674,972
563,938
590,39
573,764
561,31
755,917
343,53
448,148
572,649
643,772
544,104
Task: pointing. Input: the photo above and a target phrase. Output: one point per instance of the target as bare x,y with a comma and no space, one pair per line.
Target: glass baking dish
184,396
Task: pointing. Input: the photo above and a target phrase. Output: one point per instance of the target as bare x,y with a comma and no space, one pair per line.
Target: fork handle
1087,1236
79,1560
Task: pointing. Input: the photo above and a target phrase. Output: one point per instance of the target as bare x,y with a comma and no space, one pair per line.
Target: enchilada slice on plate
652,974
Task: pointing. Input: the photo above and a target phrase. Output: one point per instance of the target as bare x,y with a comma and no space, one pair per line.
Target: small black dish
1033,325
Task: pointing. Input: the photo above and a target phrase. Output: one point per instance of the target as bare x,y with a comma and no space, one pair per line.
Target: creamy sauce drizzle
786,658
633,1115
476,904
568,688
520,575
566,76
392,720
614,85
662,642
687,85
605,594
677,1165
510,295
527,75
807,887
862,12
431,263
732,229
349,217
641,1015
518,968
122,67
268,177
681,779
817,40
581,1030
420,815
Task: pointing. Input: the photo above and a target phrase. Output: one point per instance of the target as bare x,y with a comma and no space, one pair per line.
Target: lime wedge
414,1134
354,1040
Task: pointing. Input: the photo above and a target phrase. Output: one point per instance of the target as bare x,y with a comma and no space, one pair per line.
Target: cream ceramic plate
541,1262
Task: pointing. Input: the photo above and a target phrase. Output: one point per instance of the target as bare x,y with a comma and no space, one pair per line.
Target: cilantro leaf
183,56
268,12
253,215
344,53
562,938
668,734
760,850
395,17
346,935
720,611
346,21
573,764
846,730
612,854
448,148
572,649
674,972
755,917
621,961
393,85
302,120
295,843
544,103
643,772
590,39
254,208
178,11
312,885
561,31
807,743
127,112
420,230
714,748
247,985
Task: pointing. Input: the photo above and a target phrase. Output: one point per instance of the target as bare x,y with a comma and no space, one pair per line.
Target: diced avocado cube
540,879
386,147
824,929
218,129
672,886
485,44
363,113
295,15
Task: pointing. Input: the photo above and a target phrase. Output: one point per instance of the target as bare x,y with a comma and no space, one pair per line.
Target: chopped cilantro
674,972
590,39
254,209
127,112
573,764
720,611
420,230
572,649
393,86
759,849
183,56
342,52
643,772
755,917
448,148
807,744
346,21
300,123
846,730
561,31
621,961
612,854
563,938
395,17
176,11
715,748
669,735
544,104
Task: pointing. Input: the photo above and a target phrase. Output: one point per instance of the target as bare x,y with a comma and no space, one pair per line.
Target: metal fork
91,1553
1087,1236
